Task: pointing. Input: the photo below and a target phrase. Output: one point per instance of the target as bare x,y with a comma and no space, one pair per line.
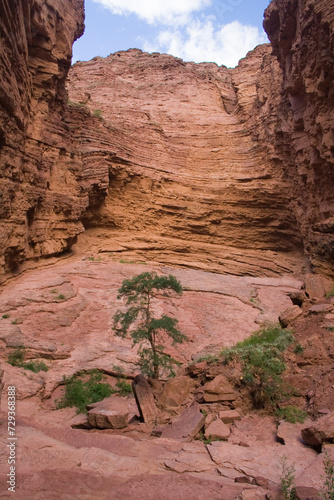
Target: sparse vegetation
330,293
209,358
287,479
262,363
5,316
291,414
16,358
81,391
330,328
148,331
298,349
97,113
328,490
35,366
123,387
61,297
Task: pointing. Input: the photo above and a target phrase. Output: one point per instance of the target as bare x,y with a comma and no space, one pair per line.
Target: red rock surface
302,37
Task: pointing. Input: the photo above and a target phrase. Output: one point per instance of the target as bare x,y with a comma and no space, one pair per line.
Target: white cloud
170,12
200,42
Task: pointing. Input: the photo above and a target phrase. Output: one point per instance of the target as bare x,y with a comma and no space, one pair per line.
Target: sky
220,31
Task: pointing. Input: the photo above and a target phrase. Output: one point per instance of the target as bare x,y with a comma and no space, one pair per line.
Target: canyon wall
229,170
40,195
302,36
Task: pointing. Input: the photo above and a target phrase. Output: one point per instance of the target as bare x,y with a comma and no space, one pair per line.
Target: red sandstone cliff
302,37
40,198
191,164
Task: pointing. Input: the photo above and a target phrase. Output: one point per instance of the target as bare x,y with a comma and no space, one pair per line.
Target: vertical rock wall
39,191
302,37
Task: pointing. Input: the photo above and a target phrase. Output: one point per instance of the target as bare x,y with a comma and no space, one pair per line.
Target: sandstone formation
182,163
302,37
41,200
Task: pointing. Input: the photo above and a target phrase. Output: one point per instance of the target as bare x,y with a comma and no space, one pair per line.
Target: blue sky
220,31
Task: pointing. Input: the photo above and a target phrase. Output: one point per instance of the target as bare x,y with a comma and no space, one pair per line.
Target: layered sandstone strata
40,197
302,37
188,184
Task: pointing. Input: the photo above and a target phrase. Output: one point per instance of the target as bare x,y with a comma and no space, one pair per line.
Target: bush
262,362
328,491
123,387
35,366
80,393
16,358
291,414
287,479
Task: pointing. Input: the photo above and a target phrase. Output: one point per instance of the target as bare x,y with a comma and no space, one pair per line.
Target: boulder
229,416
185,426
175,391
217,430
111,413
321,431
144,399
196,369
319,308
306,493
289,315
219,389
314,286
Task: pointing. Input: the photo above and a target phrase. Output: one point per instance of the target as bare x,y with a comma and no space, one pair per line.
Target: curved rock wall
188,183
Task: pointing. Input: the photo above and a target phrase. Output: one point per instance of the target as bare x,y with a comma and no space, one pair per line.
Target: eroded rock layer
187,181
229,170
41,201
302,37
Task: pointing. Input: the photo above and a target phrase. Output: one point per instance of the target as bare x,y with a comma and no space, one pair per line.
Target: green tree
140,292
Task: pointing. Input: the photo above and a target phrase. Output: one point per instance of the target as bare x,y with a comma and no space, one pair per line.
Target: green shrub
298,349
5,316
328,491
209,358
330,294
291,414
287,479
123,387
35,366
60,297
262,362
80,393
16,357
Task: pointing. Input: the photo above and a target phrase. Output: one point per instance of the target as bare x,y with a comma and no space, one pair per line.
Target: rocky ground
63,313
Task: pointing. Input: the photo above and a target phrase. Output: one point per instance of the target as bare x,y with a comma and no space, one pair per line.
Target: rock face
302,37
41,200
185,171
163,158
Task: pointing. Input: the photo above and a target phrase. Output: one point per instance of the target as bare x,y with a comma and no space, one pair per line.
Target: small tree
139,292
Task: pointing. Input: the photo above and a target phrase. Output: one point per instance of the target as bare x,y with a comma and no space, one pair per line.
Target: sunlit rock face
189,183
228,170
